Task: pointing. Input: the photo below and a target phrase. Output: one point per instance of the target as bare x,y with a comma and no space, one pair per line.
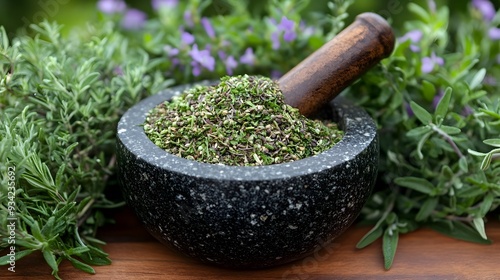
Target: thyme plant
436,101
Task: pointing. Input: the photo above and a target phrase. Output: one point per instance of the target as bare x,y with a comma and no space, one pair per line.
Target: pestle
321,76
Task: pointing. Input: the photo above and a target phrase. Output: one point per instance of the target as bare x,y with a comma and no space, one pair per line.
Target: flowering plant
436,102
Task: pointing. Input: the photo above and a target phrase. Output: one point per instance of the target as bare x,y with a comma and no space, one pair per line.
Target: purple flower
428,63
133,19
494,33
467,111
409,110
432,5
111,6
201,58
188,18
275,39
414,36
222,54
171,51
158,4
118,71
287,26
486,8
208,27
248,58
187,38
230,63
305,30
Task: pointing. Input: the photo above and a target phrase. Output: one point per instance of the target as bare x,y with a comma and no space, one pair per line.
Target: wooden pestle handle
325,73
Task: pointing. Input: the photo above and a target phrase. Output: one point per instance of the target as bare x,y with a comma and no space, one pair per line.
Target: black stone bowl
247,217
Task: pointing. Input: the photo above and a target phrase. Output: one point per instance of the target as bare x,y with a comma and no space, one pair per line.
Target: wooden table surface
423,254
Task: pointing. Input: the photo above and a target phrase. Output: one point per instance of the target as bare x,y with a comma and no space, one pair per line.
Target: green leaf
477,79
443,105
475,153
95,256
389,246
4,260
80,265
428,90
421,114
51,260
485,164
492,142
4,39
421,143
462,163
374,234
458,230
485,207
418,131
77,250
478,223
450,130
417,184
419,11
427,208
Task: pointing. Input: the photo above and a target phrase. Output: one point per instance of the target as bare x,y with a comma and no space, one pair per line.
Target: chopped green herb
241,121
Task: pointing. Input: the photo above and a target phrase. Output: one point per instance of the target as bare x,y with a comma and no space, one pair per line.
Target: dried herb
241,121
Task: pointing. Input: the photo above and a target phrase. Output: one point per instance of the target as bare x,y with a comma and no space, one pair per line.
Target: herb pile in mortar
241,121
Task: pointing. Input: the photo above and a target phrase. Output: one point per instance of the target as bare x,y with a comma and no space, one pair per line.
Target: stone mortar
247,217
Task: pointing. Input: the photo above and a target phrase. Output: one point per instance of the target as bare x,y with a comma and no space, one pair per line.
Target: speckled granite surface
247,217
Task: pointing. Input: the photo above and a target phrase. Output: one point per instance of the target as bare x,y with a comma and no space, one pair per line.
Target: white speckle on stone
292,227
122,130
367,134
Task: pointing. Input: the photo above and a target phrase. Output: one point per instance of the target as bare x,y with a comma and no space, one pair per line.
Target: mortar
261,216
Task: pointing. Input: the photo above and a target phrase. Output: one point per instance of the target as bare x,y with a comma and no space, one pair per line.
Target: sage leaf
492,142
417,184
421,114
477,79
443,105
428,90
450,129
486,204
478,223
370,237
462,163
458,230
427,207
418,131
389,246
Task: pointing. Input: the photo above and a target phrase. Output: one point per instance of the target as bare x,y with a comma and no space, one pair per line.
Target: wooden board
423,254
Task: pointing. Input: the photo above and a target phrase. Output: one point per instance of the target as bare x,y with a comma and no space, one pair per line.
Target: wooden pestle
325,73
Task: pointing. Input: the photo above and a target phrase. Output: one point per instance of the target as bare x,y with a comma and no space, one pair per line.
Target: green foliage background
63,91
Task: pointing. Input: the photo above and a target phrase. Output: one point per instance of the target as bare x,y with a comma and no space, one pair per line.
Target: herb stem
448,139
